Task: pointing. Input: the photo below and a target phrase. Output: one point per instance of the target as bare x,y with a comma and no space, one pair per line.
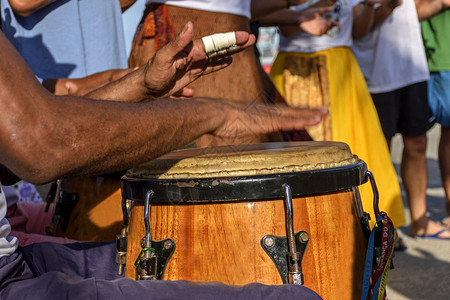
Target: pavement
423,270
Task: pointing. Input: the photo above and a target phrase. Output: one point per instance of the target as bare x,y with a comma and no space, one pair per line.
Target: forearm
82,86
280,17
44,136
428,8
363,20
71,142
381,14
135,90
289,30
261,8
25,8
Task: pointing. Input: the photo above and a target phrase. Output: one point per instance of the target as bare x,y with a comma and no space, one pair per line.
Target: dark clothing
404,111
88,271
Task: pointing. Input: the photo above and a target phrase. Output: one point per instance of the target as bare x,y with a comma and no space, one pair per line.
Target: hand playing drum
178,64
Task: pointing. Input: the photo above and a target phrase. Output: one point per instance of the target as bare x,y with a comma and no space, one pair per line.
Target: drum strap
379,251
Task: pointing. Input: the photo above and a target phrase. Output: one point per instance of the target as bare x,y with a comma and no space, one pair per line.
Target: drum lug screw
268,241
168,244
303,237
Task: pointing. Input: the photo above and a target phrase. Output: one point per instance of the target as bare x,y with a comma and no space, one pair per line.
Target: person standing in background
393,62
435,17
312,71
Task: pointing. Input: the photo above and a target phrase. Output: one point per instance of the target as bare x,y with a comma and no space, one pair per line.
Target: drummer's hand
245,120
182,61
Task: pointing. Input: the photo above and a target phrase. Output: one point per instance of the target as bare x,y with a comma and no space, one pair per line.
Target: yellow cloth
354,121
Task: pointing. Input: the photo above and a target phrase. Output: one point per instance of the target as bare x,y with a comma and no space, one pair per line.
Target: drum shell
221,241
98,214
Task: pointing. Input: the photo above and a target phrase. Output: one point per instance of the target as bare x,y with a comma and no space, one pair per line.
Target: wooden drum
87,208
97,216
271,213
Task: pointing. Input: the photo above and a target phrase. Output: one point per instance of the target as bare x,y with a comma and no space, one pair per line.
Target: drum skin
221,242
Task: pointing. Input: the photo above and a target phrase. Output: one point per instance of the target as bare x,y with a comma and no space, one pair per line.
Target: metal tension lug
122,239
277,248
121,253
153,261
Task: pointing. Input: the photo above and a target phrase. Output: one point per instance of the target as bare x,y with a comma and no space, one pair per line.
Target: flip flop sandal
400,245
436,235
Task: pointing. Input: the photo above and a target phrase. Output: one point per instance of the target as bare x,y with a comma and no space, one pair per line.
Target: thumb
181,40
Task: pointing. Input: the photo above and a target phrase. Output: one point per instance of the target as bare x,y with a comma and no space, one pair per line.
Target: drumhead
248,172
246,160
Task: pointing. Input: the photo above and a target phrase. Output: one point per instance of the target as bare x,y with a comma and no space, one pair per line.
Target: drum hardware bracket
64,204
152,261
121,255
52,193
376,195
294,259
277,248
154,256
122,239
287,252
365,223
376,209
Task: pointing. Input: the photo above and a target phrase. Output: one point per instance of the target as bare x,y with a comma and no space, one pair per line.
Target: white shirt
8,244
303,42
392,55
235,7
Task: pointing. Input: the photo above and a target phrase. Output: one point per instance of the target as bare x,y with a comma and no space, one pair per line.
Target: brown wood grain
221,242
98,214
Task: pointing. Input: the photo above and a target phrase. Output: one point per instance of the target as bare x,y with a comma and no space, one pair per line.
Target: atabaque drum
91,208
271,213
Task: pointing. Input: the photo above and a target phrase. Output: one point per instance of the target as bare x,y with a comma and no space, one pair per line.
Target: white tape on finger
219,44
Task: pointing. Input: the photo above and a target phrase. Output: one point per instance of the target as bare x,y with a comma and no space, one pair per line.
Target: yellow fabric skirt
332,78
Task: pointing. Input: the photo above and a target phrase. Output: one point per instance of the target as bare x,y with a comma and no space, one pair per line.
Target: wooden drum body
97,216
225,214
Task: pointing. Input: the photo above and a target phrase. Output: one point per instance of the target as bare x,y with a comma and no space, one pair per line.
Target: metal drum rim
245,188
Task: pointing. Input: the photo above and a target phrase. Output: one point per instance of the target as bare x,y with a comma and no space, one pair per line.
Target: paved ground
423,270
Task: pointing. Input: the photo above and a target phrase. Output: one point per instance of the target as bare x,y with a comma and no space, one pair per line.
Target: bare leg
444,164
414,176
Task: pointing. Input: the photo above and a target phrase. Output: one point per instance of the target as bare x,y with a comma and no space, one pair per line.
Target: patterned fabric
26,193
157,24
